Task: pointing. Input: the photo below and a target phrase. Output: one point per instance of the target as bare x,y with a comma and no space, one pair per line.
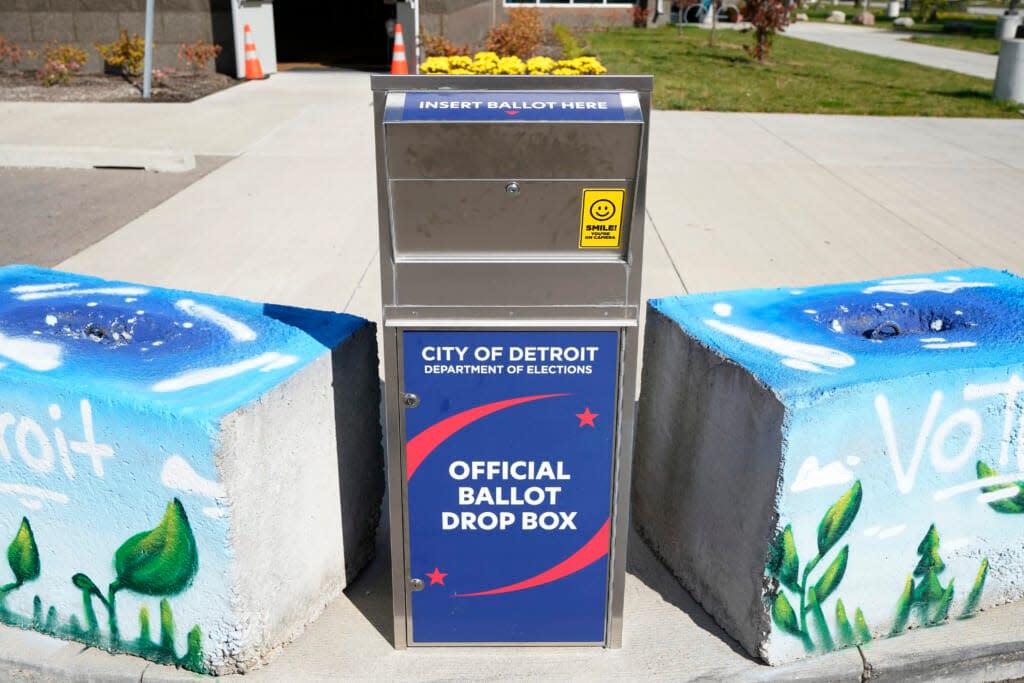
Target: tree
768,17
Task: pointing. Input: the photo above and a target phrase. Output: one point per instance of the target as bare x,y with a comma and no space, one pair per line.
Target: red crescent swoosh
424,443
592,551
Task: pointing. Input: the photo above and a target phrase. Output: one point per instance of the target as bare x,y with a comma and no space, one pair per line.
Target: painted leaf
814,606
829,581
784,616
903,607
162,561
84,583
863,632
788,569
846,636
838,518
974,597
1009,506
928,549
23,555
942,609
929,590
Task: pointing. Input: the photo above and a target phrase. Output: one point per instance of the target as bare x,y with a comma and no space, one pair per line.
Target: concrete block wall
33,23
821,467
183,477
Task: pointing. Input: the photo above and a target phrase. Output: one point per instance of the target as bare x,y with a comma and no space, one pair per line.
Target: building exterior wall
33,23
466,22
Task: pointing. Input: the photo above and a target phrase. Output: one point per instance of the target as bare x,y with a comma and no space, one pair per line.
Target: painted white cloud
950,345
26,289
722,309
271,360
35,492
922,284
812,476
810,356
34,355
237,329
110,291
215,512
177,474
892,531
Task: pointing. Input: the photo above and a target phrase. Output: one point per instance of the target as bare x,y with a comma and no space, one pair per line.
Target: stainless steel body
481,229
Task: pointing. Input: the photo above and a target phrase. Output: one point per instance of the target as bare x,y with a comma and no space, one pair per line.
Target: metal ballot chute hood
511,229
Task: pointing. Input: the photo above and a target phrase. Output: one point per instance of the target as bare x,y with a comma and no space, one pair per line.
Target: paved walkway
734,200
888,43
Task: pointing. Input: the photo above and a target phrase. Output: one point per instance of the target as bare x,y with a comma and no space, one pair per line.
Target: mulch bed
24,87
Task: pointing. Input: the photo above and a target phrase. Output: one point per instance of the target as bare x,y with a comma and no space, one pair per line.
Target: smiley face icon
602,210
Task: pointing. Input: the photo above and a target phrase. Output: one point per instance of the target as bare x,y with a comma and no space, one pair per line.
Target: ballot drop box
511,229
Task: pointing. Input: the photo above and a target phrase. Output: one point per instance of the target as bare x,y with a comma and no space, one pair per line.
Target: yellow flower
486,57
460,72
511,65
435,65
459,61
539,65
565,71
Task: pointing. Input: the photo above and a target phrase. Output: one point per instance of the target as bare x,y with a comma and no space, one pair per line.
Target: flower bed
491,63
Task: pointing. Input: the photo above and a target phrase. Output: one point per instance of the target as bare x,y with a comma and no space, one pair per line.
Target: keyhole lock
410,400
415,585
512,189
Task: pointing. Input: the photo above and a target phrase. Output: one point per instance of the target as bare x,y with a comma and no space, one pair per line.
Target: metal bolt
512,188
411,400
415,585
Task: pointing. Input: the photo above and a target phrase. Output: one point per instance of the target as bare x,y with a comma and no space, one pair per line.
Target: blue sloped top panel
181,351
815,339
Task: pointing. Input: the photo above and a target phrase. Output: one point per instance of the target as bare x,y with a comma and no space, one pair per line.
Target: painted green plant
927,596
1013,503
784,565
23,557
161,561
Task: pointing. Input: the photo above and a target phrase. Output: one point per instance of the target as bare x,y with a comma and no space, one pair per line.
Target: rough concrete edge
73,156
751,638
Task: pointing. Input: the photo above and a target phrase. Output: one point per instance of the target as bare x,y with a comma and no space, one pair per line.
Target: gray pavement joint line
675,268
142,674
359,282
861,192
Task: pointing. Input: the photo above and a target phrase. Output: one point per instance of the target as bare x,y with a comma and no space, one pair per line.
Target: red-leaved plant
768,17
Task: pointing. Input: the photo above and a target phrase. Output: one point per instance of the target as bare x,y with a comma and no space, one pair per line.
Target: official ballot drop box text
511,228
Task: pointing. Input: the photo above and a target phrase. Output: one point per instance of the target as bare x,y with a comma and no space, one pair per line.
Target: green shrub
571,48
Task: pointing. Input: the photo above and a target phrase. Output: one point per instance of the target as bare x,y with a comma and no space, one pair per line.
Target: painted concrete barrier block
178,478
825,466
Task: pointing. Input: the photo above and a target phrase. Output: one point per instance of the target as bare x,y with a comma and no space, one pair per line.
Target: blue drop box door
508,458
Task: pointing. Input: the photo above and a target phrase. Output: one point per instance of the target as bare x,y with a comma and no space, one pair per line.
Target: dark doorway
339,33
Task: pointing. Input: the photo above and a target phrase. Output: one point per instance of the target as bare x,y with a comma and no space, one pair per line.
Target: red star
587,417
437,576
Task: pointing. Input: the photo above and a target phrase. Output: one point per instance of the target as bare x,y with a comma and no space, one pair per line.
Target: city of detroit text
543,494
500,360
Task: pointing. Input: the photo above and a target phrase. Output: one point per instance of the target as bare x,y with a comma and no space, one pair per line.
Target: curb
158,160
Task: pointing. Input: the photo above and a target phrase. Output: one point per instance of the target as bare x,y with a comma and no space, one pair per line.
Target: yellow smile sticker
601,218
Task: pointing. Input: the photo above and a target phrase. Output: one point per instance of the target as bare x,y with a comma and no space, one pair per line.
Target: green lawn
988,46
802,77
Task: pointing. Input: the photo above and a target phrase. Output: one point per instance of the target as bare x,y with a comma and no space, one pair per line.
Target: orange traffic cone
398,63
253,69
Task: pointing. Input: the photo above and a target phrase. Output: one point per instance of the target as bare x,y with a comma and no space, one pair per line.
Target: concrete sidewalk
734,200
888,43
